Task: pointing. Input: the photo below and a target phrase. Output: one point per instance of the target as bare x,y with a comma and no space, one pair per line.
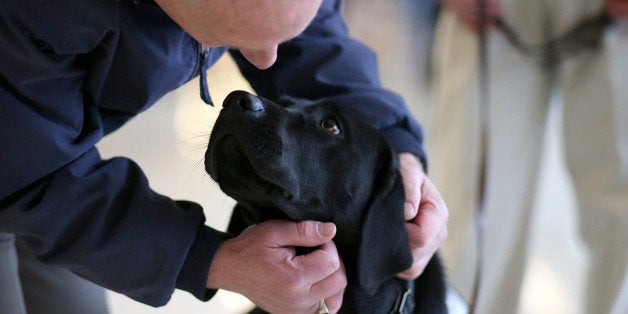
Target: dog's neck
393,296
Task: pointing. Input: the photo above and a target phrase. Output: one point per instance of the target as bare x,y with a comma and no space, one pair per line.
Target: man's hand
467,12
617,9
425,212
262,265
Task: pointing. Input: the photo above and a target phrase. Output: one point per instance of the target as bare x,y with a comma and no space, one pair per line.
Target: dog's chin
238,177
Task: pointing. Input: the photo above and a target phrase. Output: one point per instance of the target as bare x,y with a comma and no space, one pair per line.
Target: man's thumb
304,233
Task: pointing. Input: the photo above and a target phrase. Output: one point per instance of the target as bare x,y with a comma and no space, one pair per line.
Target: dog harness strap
405,301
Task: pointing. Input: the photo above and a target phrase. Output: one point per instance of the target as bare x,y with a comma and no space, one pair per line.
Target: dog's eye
331,125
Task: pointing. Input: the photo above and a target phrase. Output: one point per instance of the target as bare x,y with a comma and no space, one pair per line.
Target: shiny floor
169,141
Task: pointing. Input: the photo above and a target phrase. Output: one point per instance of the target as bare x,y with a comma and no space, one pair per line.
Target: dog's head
302,160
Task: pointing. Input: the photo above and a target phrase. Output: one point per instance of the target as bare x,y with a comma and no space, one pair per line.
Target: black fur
284,160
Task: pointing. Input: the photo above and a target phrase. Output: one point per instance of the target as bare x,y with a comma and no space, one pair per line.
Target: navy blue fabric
73,71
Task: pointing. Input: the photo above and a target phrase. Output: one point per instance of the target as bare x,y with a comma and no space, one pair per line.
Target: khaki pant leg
516,116
596,143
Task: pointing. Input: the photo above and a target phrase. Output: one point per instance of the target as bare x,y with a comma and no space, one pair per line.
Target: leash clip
401,302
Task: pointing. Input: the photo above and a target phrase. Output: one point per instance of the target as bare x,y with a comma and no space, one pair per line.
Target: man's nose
261,58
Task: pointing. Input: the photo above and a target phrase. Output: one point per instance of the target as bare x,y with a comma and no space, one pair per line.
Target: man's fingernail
326,229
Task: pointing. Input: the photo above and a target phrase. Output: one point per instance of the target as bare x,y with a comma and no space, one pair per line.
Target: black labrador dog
302,160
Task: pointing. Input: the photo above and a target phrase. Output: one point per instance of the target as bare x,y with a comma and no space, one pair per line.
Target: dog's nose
245,100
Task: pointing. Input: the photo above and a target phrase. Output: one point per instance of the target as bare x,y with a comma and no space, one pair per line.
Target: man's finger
432,200
304,233
330,286
334,302
421,232
332,289
320,263
411,176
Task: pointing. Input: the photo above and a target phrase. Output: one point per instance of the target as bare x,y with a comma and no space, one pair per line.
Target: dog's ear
384,250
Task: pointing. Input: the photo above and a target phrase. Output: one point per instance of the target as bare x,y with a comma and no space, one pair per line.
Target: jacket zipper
201,70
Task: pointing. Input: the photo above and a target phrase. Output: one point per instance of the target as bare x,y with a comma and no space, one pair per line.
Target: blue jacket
73,71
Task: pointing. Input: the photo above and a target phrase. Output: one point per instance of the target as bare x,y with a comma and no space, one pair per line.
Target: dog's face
302,160
295,160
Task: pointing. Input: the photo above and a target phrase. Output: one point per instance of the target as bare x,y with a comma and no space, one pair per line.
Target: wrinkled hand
425,212
617,9
261,264
467,12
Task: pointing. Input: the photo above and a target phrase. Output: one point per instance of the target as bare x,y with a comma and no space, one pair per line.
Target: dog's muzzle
246,101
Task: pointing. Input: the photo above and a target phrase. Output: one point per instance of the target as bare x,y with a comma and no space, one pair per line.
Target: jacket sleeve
324,62
97,218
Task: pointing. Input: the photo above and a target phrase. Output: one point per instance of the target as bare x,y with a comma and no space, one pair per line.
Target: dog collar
404,304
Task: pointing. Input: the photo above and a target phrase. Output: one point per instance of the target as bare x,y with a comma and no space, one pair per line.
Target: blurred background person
521,88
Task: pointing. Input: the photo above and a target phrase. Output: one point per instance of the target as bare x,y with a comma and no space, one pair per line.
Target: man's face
255,27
